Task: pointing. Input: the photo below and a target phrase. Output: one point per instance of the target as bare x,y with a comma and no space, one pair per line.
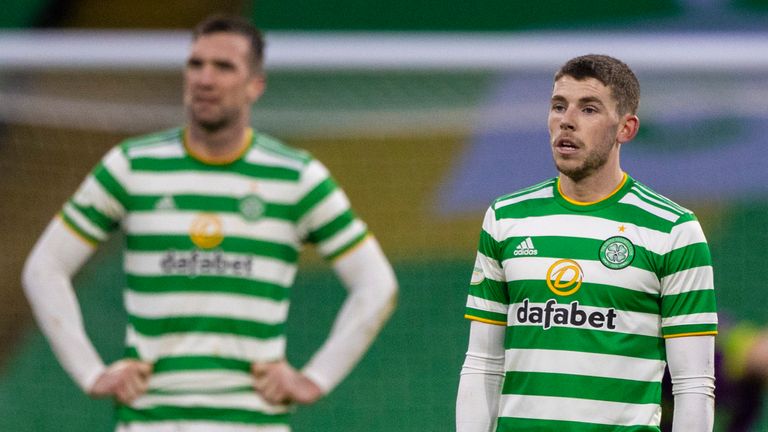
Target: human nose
204,75
567,121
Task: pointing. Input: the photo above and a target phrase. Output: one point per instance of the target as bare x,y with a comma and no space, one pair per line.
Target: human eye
558,107
589,109
194,63
225,65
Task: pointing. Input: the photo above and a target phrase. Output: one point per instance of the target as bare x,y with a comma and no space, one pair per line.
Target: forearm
370,281
691,366
477,403
693,413
482,375
46,279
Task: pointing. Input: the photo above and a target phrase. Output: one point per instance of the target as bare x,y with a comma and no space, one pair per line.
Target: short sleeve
687,285
488,298
325,216
98,205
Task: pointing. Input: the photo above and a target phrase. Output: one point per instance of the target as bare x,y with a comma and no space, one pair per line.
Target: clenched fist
279,383
125,380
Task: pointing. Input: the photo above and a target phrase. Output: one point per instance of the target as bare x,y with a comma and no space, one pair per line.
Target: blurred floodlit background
424,112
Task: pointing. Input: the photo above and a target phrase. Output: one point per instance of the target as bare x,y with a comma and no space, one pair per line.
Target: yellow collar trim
582,203
224,160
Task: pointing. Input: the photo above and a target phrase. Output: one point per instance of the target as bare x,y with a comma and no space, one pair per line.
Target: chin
212,125
574,173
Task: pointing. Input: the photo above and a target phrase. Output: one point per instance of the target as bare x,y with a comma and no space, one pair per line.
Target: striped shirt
587,293
211,252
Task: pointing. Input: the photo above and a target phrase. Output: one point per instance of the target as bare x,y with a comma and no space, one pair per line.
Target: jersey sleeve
325,216
98,205
488,299
687,285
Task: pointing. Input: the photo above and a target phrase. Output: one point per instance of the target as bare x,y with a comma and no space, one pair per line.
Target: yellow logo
206,231
564,277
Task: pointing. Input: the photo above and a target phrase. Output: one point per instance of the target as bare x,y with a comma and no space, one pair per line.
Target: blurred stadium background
424,112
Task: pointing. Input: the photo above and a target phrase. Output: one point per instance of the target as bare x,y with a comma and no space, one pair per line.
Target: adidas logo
526,248
165,203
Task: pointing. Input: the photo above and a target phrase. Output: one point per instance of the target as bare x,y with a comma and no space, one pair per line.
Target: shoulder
296,163
123,157
526,196
167,143
266,147
654,204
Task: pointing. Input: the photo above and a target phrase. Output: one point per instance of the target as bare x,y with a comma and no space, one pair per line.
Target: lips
204,99
566,144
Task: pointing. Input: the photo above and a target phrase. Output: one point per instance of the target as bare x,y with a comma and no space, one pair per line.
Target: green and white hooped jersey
211,252
588,292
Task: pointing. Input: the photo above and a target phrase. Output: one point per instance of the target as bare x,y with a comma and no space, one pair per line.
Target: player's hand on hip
279,383
125,380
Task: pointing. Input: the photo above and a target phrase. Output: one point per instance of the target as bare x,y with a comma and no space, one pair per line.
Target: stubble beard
212,124
595,160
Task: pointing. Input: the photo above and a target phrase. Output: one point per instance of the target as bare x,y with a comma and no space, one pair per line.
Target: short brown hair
221,23
612,72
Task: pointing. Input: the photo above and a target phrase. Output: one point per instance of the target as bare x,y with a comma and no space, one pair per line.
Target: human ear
628,128
256,86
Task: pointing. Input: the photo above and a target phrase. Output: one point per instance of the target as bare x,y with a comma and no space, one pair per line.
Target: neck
593,188
220,146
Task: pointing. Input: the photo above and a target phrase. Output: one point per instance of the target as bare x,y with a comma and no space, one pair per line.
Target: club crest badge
617,252
251,207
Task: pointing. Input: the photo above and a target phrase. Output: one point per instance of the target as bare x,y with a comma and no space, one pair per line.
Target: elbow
380,291
390,292
694,384
392,299
35,276
384,302
39,272
31,272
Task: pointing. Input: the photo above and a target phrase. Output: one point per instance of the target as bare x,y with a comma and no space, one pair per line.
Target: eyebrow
582,101
195,59
591,99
